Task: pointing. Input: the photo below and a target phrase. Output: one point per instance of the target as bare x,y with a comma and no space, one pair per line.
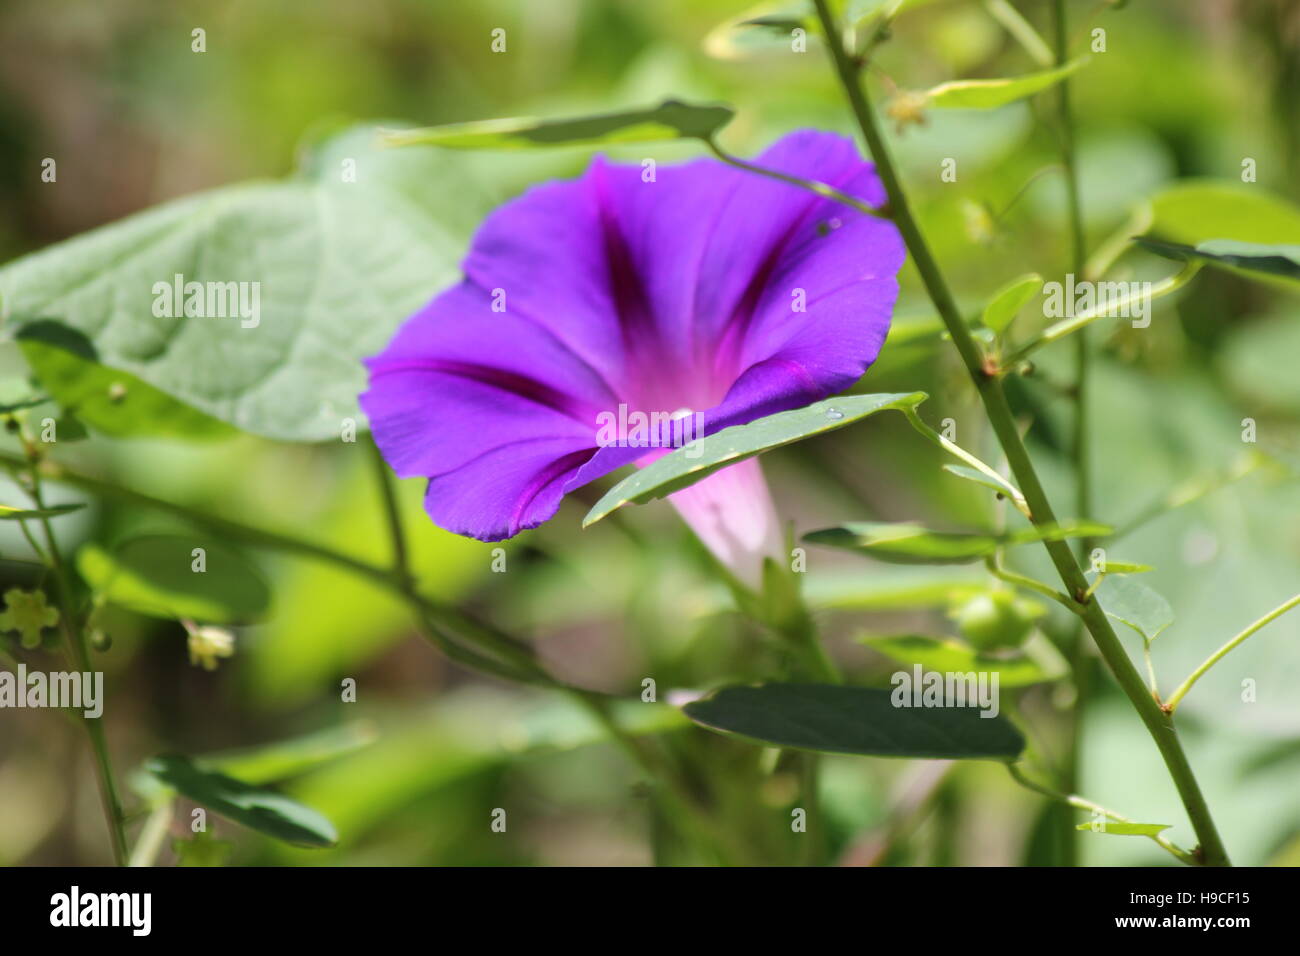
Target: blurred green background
1186,89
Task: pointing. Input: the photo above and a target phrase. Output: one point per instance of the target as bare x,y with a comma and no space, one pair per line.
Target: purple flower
697,288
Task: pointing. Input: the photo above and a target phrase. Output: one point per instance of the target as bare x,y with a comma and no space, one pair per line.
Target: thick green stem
989,387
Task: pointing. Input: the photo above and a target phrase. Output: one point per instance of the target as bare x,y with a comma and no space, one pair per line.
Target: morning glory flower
698,295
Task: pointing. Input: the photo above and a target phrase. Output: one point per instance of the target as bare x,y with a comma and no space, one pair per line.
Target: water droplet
834,414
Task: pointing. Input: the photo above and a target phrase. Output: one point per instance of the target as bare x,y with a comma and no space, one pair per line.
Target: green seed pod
996,619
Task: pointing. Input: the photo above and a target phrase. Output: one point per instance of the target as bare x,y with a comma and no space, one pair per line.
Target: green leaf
888,588
1125,567
910,543
154,575
1115,828
334,259
116,403
1009,300
949,656
1134,603
9,513
854,720
1192,211
671,119
764,28
283,759
990,94
685,466
971,474
1273,259
258,809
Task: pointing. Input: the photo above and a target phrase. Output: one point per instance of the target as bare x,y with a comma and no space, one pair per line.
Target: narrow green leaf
265,811
949,656
1125,567
910,543
990,94
671,119
1135,604
283,759
972,474
114,402
9,513
685,466
156,575
1009,300
854,720
1272,259
1115,828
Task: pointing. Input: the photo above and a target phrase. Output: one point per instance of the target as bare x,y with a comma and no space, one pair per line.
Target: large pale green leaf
1277,259
939,654
336,258
990,94
671,119
257,808
156,575
854,720
910,543
687,465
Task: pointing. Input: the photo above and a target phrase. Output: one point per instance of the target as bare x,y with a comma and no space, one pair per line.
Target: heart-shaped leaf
256,303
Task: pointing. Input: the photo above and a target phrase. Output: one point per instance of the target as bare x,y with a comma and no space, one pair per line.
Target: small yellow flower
26,613
206,644
907,108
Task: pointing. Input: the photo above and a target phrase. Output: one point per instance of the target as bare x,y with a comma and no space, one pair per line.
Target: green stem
1021,30
1102,310
1172,703
1011,577
76,637
149,843
1095,808
812,185
989,387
